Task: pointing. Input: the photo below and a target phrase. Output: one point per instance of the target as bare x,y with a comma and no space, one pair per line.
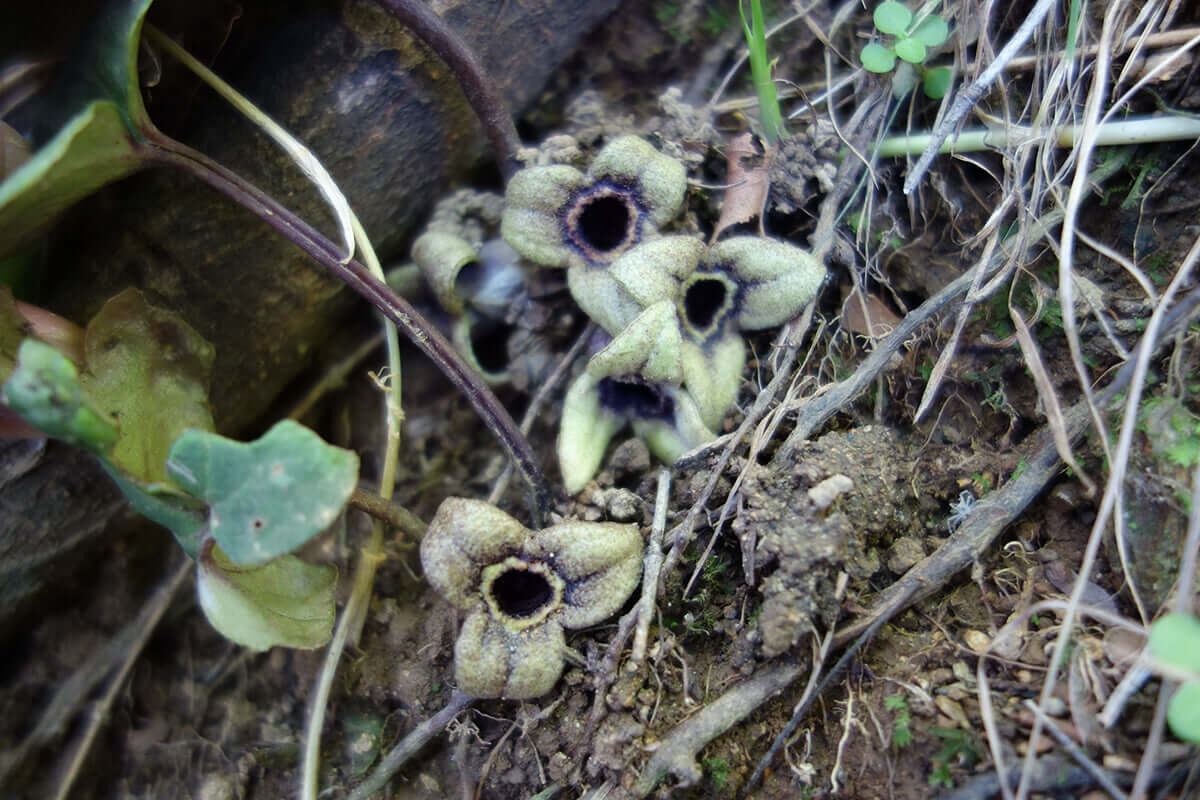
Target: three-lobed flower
522,588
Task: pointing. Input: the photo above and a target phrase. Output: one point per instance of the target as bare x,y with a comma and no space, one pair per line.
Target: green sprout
957,746
718,772
760,71
901,725
911,43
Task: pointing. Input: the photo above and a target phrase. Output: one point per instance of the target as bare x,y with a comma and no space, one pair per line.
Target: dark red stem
482,92
161,149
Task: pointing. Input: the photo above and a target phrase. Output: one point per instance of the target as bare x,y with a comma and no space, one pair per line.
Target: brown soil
202,718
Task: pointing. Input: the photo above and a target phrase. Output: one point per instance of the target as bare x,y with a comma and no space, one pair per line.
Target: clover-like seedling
911,43
521,589
1175,643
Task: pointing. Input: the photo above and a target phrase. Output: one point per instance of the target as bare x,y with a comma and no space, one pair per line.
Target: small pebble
621,505
952,709
631,457
904,553
824,493
978,641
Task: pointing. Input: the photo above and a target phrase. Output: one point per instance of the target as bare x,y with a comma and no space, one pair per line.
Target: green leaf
283,602
101,110
45,390
932,31
269,496
1183,712
148,369
910,50
1175,639
892,18
183,516
877,58
937,82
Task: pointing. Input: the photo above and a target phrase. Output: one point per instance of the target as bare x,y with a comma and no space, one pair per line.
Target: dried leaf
747,159
867,315
1050,404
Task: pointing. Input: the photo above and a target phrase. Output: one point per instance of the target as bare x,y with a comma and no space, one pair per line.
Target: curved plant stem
304,158
482,92
161,149
1134,130
399,518
354,614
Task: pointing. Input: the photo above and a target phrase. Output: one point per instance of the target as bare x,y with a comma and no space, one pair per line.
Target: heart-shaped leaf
101,108
265,497
910,50
937,82
877,58
932,31
283,602
149,370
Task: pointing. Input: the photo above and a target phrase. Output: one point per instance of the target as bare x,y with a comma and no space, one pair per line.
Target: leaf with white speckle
267,497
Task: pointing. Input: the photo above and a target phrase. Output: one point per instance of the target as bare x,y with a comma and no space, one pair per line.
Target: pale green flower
521,589
675,309
595,409
477,287
557,215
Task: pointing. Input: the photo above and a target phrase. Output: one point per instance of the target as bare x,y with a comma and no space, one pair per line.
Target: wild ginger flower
675,310
521,589
595,409
477,287
557,216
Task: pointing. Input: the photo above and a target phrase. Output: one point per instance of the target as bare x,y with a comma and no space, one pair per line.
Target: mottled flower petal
441,256
600,562
584,433
463,537
649,347
669,439
652,271
602,298
532,204
712,375
660,179
777,279
491,661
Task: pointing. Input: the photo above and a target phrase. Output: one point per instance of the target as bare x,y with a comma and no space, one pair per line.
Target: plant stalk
157,148
482,92
760,72
1135,130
